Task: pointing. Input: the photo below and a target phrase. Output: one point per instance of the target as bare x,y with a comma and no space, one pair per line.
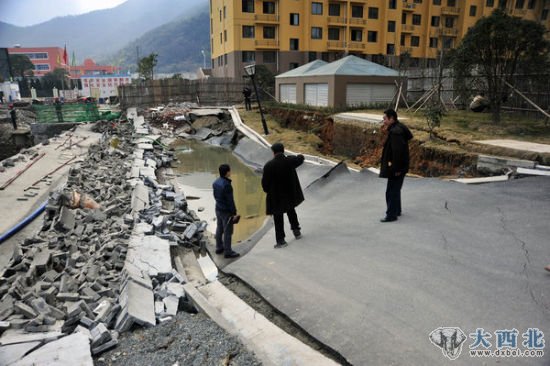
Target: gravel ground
190,339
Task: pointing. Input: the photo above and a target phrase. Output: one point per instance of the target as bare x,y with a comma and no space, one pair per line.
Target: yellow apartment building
285,34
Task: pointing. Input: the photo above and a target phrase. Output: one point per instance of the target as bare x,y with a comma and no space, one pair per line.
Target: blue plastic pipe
23,223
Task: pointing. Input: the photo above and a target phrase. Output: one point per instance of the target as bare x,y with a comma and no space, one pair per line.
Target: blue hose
23,223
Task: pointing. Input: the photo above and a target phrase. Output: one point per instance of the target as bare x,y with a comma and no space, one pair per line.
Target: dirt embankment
362,143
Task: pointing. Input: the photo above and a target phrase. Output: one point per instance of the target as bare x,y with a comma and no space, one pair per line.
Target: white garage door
365,94
317,94
287,93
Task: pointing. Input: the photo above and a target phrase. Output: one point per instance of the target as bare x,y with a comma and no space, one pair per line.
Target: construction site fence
68,113
211,91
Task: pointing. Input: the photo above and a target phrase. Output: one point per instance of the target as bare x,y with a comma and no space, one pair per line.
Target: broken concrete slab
14,352
70,350
139,307
171,303
532,171
12,336
140,197
149,254
498,163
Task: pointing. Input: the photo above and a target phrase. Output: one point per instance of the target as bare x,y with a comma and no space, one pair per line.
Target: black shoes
388,219
281,244
232,255
219,251
297,234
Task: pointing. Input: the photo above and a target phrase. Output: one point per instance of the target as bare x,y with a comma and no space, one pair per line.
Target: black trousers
393,196
280,224
247,104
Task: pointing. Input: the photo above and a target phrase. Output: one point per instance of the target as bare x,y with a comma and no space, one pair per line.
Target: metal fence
67,113
211,91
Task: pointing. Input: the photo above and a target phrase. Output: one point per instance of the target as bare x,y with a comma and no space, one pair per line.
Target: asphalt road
460,256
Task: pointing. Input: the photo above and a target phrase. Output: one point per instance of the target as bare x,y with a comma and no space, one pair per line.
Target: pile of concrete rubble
99,272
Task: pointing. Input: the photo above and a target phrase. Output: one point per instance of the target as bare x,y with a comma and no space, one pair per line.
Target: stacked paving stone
100,272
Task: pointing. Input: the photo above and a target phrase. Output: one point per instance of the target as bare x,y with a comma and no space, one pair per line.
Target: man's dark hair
391,113
223,169
278,148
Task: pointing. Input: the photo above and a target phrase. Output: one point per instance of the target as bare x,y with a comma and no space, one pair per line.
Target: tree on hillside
21,66
147,65
495,49
57,78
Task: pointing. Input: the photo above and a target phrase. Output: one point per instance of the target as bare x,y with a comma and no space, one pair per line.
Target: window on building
317,8
435,21
451,3
248,31
403,18
502,4
417,1
249,56
270,57
225,36
41,67
334,10
357,11
531,4
372,36
436,2
225,59
316,33
324,56
37,55
334,34
449,22
248,6
490,3
402,40
415,41
433,42
417,19
294,44
473,10
373,13
220,15
269,7
390,49
294,19
392,4
311,56
391,25
269,32
221,38
519,4
356,35
293,65
224,12
447,43
544,14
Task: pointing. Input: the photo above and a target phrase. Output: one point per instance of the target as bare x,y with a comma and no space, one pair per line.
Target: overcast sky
29,12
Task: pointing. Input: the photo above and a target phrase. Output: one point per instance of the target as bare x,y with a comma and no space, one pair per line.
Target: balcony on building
356,46
357,21
267,44
408,28
450,11
266,18
336,45
448,32
408,6
337,21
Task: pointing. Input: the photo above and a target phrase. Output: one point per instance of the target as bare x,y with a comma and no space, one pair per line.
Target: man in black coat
226,211
280,182
395,162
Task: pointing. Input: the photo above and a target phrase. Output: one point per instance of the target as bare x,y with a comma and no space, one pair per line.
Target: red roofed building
91,68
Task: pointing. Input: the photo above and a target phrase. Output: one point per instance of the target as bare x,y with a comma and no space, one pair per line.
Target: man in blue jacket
225,212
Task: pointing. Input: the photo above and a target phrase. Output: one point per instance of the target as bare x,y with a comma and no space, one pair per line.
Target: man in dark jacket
225,212
247,93
395,162
280,182
13,114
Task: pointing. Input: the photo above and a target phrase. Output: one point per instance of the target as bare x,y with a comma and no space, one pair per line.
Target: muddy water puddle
197,171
